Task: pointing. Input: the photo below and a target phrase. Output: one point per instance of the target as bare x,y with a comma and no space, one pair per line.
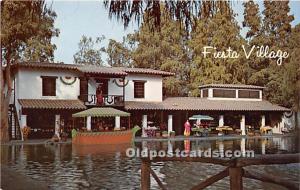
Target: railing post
145,175
236,178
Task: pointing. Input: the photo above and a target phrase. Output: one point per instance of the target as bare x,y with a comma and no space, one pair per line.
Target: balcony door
102,86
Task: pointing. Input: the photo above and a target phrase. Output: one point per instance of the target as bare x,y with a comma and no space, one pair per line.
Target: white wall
29,85
153,87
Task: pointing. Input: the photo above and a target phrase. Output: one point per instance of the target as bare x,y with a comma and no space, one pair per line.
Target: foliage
118,54
90,51
153,11
206,70
27,29
163,50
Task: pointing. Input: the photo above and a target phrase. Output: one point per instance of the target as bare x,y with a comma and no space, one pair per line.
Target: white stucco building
47,94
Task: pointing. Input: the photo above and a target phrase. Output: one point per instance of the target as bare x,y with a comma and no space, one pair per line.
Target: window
249,94
205,93
139,89
223,93
48,86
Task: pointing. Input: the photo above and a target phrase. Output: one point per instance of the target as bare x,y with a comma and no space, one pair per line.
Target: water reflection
107,167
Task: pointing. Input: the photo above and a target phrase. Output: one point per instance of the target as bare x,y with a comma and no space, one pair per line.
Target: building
47,94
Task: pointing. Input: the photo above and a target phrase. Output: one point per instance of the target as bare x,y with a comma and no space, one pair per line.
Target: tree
90,51
291,77
23,22
152,10
118,54
274,31
211,31
164,50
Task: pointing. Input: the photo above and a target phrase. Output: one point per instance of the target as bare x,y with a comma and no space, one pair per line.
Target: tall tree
183,11
211,31
291,77
165,50
274,31
23,22
90,51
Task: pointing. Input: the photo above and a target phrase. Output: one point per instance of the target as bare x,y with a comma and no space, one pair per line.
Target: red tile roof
92,69
240,86
52,104
203,104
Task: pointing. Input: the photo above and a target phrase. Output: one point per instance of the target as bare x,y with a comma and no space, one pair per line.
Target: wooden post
236,178
145,175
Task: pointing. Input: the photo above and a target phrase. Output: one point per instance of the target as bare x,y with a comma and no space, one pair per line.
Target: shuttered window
139,89
223,93
83,89
249,94
48,85
205,93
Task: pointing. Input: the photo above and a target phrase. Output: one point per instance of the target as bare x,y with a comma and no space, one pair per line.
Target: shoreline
142,139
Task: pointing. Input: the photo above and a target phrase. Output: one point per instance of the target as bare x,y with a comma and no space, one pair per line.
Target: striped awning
52,104
101,112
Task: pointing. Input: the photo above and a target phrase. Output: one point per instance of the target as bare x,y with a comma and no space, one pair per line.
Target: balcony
102,100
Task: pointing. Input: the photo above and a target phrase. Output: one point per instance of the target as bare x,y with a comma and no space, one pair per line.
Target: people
187,128
99,95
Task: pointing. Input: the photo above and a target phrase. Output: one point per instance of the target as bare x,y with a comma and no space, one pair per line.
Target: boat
117,136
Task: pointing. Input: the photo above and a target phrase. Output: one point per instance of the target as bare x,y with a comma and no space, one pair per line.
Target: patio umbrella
201,117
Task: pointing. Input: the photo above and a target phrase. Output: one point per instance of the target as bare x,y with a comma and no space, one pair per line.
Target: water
106,167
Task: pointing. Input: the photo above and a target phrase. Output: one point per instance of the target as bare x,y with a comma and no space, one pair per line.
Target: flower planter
157,134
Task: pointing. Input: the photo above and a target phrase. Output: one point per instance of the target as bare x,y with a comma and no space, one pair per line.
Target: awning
52,104
101,112
201,117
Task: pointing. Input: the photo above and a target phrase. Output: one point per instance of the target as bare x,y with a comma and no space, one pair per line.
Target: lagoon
64,166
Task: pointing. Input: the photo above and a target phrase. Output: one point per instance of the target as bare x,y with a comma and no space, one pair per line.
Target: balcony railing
102,100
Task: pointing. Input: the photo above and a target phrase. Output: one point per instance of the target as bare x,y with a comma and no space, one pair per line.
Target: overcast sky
90,18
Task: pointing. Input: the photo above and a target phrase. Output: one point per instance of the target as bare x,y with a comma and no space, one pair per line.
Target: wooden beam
211,180
236,178
160,184
145,176
271,179
219,161
269,159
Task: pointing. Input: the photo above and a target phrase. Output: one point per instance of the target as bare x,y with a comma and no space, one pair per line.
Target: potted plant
64,136
172,134
157,133
164,134
25,131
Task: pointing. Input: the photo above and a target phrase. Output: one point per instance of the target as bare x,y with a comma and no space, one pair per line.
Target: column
57,126
263,121
144,123
221,120
23,123
243,125
170,123
117,123
88,123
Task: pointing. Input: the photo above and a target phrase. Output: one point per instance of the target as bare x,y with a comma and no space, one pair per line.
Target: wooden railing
234,169
104,100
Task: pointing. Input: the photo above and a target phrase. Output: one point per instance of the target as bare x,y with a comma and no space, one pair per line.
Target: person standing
187,128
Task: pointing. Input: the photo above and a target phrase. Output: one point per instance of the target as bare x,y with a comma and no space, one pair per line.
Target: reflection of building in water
243,146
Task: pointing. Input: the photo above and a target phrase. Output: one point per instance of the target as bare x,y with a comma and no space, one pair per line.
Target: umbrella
201,117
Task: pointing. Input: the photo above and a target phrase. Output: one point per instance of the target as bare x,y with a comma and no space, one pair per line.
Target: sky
90,18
